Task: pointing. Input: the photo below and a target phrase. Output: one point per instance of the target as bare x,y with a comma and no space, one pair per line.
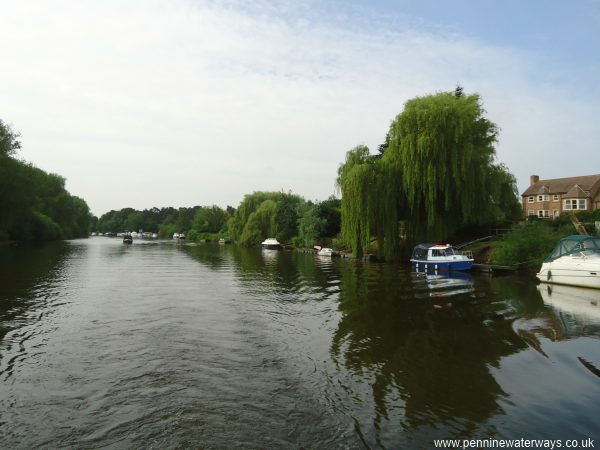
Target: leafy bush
530,244
43,228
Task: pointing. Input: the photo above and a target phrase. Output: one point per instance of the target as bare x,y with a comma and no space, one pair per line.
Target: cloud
181,103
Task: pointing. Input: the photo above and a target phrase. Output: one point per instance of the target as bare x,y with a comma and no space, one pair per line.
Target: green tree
287,215
209,219
437,175
9,140
250,203
260,224
134,221
331,211
355,178
311,226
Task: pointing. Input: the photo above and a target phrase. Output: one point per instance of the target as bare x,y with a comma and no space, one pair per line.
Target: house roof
578,186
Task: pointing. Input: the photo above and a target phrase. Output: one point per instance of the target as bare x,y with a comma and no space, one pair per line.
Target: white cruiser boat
575,261
324,251
271,244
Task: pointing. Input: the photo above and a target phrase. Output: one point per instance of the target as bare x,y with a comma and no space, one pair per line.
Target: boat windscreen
568,246
591,244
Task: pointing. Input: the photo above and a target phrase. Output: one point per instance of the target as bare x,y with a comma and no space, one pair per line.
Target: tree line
288,217
435,176
34,204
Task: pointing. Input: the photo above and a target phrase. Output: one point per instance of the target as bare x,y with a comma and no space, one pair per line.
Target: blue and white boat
440,256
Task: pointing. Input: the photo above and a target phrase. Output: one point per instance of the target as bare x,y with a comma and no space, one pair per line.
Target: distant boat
271,244
575,261
324,251
154,236
440,256
127,238
223,241
175,235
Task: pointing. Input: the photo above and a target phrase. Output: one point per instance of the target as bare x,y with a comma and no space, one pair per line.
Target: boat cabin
433,252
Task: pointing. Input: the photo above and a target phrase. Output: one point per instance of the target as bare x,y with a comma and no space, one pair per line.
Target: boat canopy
420,251
574,244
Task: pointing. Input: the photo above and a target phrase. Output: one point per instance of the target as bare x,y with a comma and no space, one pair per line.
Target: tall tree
437,174
9,140
444,146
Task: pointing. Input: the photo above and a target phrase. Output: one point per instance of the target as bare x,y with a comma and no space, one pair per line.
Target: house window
530,199
542,213
555,198
574,204
543,198
531,212
555,212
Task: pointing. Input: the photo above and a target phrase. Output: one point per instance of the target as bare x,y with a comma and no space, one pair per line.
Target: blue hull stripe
448,265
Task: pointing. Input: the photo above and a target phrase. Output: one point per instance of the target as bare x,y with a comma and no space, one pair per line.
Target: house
551,198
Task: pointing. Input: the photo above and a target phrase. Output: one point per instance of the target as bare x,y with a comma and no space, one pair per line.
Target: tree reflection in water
408,358
436,361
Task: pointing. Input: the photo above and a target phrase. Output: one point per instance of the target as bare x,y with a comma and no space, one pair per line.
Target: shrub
530,244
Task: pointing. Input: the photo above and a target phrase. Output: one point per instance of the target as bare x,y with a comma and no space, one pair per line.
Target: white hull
572,271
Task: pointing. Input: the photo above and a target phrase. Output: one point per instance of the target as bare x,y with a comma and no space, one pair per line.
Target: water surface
164,345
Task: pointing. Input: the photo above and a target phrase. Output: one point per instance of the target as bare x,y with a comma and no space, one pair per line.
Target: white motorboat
271,244
575,261
324,251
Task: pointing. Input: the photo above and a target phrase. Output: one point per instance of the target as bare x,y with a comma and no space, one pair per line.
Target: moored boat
324,251
440,256
271,244
575,261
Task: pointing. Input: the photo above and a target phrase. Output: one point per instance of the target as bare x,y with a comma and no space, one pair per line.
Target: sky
192,102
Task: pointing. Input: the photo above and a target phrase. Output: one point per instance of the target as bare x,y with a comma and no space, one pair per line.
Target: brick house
550,198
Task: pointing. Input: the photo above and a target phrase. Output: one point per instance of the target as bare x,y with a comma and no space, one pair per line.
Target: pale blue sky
186,102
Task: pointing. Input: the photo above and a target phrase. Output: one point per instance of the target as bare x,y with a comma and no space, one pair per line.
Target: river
164,345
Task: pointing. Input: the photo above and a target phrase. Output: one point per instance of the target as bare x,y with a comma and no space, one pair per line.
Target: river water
163,345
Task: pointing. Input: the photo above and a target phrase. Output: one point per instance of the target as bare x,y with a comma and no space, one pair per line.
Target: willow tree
437,174
355,179
260,224
445,147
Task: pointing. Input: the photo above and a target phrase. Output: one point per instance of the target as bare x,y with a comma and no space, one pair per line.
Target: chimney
533,179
